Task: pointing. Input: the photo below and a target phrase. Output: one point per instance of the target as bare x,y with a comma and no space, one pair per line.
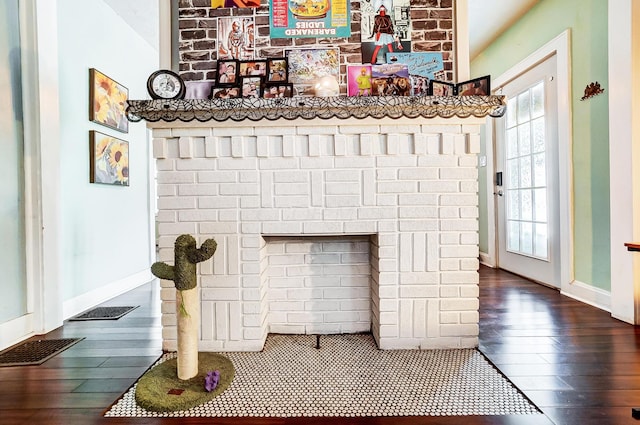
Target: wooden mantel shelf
632,246
341,107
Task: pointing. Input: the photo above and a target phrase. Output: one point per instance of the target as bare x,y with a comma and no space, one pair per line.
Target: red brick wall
432,23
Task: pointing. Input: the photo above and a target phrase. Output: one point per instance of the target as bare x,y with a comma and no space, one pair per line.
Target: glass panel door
527,200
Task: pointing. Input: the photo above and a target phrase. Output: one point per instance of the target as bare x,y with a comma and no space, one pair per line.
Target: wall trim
106,292
588,294
16,330
487,260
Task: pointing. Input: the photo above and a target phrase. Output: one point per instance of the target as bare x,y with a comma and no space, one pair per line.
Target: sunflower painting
109,159
107,101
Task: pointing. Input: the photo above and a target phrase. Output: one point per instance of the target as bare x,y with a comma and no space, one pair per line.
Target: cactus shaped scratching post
183,274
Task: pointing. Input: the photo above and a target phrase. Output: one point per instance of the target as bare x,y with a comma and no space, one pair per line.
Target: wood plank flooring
575,362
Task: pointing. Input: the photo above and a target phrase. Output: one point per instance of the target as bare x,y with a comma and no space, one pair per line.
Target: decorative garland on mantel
316,107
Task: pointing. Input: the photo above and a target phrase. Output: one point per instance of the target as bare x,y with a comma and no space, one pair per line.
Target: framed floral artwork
108,159
107,101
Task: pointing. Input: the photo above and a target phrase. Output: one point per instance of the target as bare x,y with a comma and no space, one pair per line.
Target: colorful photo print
277,70
251,86
476,87
310,18
359,80
441,88
227,73
385,27
225,92
108,159
236,37
254,67
390,80
107,101
430,65
272,91
307,66
419,85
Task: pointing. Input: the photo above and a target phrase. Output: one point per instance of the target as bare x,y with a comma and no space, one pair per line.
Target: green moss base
152,391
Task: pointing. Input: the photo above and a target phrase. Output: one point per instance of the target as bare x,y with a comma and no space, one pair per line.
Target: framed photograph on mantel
476,87
227,73
107,101
441,88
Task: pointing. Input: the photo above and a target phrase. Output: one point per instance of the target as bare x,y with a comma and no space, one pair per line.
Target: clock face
165,84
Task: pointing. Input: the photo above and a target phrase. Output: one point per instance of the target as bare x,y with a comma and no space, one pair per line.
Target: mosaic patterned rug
349,376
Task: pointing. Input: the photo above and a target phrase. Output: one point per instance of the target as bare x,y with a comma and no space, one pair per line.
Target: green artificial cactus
183,272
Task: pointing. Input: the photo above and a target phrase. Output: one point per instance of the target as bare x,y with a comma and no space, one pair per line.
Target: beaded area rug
349,376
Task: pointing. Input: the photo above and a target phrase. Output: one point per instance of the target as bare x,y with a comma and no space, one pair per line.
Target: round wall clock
165,84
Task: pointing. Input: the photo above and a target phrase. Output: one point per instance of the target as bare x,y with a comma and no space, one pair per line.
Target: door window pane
537,100
539,170
513,204
525,171
524,139
513,236
537,127
540,202
511,113
526,210
541,241
523,107
526,237
513,173
512,143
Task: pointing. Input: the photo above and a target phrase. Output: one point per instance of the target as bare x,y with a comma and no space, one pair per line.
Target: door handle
499,192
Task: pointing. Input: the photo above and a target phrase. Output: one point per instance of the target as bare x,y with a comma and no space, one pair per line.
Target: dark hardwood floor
575,362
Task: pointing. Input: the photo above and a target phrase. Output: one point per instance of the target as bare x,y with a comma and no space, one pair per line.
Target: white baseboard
486,260
90,299
16,330
588,294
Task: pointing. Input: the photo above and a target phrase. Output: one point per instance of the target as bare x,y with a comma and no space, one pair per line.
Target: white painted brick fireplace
325,226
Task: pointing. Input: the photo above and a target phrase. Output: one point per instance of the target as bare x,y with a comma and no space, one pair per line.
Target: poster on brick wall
236,37
310,18
385,27
235,3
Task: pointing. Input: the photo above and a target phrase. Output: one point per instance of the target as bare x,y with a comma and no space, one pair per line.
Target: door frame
39,60
561,47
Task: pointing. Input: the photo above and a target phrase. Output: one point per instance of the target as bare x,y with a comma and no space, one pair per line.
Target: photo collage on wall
388,66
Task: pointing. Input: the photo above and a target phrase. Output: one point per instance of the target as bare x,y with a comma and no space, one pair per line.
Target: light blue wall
105,229
13,302
587,20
